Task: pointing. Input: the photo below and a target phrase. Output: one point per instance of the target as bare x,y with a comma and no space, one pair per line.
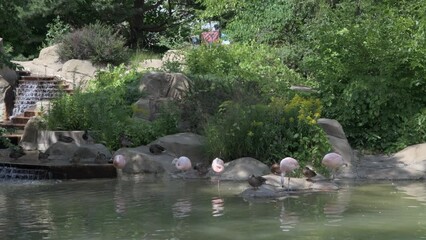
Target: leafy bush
371,68
96,42
269,132
105,110
245,62
56,30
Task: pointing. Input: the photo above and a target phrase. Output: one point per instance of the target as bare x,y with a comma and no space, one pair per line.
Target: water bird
65,139
43,156
182,163
275,169
333,161
308,173
119,161
86,135
218,165
125,141
101,158
201,168
256,181
287,165
16,152
156,149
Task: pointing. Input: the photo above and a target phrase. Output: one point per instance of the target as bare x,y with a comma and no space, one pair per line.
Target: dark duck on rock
65,139
256,181
16,152
308,173
156,149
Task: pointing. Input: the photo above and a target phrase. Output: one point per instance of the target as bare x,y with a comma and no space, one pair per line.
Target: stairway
30,90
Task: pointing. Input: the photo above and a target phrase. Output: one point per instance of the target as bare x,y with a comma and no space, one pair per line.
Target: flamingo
182,163
333,161
119,161
218,165
287,165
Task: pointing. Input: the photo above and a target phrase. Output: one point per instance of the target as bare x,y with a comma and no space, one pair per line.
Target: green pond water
149,207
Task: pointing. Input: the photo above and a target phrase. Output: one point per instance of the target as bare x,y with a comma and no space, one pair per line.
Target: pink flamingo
333,161
218,166
182,163
119,161
287,165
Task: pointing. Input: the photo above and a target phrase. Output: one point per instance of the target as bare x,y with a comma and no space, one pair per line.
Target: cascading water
14,173
29,92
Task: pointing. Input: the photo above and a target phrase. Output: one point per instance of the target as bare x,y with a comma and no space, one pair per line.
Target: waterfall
15,173
29,92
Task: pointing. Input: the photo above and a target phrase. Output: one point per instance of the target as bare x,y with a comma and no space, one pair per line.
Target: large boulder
241,169
185,144
407,164
6,98
140,160
47,138
78,72
159,88
339,143
67,153
29,140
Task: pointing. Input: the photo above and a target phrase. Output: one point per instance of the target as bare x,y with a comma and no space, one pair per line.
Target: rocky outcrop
241,169
71,153
339,143
159,88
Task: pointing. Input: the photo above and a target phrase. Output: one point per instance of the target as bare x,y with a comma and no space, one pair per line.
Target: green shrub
105,109
96,42
268,132
56,30
245,62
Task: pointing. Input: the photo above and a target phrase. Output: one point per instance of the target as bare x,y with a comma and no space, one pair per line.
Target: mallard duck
275,169
101,158
65,139
85,135
256,181
201,168
16,152
308,173
156,149
42,156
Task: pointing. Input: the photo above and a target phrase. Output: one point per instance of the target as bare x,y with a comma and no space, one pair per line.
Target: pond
149,207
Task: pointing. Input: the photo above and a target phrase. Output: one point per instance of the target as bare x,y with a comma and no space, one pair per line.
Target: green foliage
245,63
269,132
4,142
369,61
96,42
55,31
105,109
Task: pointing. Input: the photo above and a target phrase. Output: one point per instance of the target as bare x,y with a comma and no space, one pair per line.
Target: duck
275,169
86,135
101,158
201,168
308,173
156,149
16,152
65,139
43,156
256,181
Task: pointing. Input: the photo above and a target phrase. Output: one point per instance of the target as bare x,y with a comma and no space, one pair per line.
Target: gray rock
240,169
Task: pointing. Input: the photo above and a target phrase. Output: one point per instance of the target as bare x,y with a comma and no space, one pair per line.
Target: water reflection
218,206
415,191
334,209
288,219
182,208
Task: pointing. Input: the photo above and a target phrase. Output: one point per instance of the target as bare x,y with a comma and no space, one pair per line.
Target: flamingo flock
332,161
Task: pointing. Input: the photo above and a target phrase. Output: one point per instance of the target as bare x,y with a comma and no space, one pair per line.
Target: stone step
38,78
14,138
20,120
